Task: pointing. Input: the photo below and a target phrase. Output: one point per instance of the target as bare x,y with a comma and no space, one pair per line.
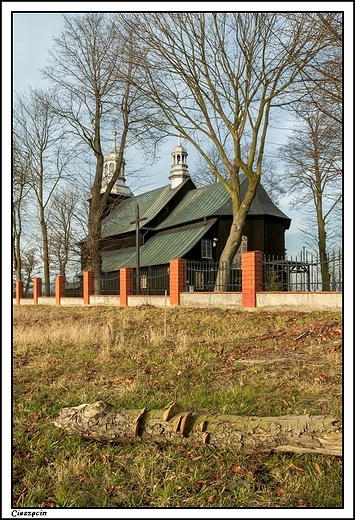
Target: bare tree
20,190
323,78
30,263
64,249
314,175
92,70
40,138
216,77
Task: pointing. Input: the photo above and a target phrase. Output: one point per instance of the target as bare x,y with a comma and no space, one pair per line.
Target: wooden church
180,220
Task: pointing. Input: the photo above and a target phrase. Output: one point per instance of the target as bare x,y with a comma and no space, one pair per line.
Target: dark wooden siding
274,237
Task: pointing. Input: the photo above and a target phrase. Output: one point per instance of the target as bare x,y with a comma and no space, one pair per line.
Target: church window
206,248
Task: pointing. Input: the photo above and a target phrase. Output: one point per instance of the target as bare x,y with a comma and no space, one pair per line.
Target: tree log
244,434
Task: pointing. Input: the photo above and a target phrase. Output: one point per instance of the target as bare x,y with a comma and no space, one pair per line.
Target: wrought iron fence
305,272
202,276
110,283
153,280
74,289
51,289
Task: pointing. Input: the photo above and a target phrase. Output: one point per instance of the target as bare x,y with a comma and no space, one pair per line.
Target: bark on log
292,433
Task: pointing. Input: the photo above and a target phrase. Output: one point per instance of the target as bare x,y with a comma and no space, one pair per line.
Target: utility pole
136,222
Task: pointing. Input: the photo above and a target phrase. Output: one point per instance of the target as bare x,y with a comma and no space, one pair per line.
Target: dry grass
260,363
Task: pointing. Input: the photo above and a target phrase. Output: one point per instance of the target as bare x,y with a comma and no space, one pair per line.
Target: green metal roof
159,250
150,203
196,205
213,201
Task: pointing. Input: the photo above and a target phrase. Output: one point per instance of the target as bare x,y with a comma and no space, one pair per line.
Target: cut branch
294,433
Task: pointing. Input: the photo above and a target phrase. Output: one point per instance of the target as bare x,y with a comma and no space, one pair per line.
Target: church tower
119,189
179,171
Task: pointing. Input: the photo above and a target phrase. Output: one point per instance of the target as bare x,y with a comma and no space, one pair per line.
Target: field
221,360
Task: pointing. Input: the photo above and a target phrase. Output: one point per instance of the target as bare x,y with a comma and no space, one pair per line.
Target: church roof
150,204
213,201
159,249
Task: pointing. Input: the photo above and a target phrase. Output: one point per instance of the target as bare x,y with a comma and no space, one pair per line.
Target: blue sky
32,36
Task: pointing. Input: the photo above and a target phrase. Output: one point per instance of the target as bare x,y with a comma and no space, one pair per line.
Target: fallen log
291,433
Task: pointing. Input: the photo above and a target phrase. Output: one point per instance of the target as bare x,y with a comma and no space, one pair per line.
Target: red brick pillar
88,286
126,285
252,277
19,292
37,290
59,288
177,280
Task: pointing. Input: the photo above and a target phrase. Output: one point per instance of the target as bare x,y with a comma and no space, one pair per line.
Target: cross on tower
136,222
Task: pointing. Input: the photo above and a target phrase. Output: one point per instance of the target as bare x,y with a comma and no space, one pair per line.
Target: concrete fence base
251,297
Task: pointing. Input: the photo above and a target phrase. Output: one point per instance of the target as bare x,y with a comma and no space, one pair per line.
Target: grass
227,361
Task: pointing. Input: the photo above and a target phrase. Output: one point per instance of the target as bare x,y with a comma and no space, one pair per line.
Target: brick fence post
37,290
19,292
126,285
59,288
252,277
88,286
177,279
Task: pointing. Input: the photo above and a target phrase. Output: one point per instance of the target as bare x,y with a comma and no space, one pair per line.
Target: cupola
110,163
179,170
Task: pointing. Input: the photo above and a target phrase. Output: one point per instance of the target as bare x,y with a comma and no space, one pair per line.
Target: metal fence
202,276
74,289
28,290
153,280
305,272
110,283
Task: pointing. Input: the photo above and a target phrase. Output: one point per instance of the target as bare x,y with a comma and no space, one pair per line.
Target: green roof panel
213,201
150,203
196,205
159,250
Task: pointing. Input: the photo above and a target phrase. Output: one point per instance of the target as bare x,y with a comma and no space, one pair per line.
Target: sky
33,30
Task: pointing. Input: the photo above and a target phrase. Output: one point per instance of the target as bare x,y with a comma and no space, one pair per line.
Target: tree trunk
240,211
297,434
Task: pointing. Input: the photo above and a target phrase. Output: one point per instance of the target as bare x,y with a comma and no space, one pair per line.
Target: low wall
156,300
67,300
46,300
302,300
24,301
280,300
211,299
104,300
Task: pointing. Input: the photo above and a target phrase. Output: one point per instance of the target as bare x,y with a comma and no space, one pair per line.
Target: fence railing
153,280
304,272
202,276
74,289
110,283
